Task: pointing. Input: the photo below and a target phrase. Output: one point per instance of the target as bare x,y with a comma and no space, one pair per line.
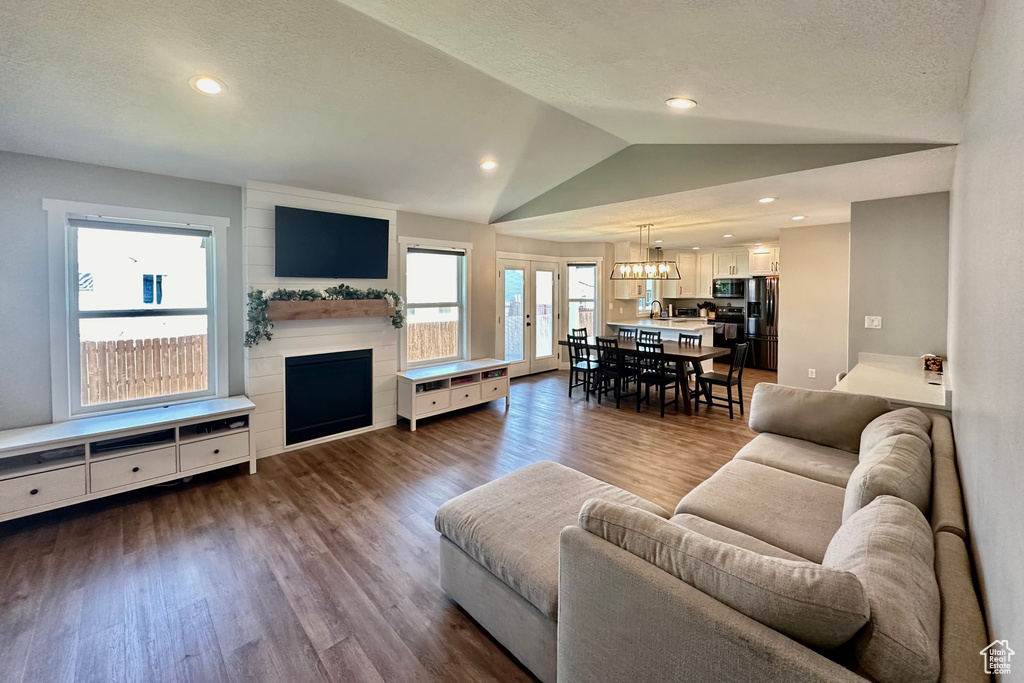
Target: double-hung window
582,286
140,317
435,300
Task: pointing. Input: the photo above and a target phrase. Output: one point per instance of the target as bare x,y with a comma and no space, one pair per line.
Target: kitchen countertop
899,379
667,323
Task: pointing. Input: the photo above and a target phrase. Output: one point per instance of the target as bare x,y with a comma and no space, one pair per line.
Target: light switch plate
873,322
812,373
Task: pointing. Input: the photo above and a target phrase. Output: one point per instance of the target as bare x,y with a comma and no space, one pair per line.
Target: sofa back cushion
818,606
898,466
888,545
829,418
903,421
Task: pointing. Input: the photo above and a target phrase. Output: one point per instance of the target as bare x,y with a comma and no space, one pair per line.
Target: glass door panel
515,299
544,280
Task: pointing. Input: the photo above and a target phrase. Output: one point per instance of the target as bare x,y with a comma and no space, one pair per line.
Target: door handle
529,324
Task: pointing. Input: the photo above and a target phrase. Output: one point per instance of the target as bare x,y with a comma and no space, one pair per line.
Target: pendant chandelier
648,269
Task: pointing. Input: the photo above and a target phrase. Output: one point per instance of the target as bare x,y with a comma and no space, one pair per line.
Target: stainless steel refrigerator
763,322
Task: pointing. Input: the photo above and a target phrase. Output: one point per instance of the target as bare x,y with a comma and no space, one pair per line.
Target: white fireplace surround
264,363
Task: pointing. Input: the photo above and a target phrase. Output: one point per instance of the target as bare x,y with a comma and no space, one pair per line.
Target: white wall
986,324
482,270
899,255
814,296
24,304
264,363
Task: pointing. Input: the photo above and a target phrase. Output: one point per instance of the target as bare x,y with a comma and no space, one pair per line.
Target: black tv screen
329,245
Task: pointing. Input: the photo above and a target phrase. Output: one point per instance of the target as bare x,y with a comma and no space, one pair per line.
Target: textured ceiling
400,100
319,96
701,217
762,71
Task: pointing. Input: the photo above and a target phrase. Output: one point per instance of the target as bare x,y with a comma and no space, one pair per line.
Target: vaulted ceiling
400,100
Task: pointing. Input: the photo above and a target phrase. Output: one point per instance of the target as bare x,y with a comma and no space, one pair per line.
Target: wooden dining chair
709,380
648,336
690,338
654,373
582,368
613,372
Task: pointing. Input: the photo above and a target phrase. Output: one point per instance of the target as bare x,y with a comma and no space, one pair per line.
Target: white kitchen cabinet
686,287
764,260
731,263
705,274
628,289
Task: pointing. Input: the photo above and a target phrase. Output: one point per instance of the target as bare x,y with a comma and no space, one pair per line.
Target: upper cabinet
628,289
764,260
705,274
686,286
731,263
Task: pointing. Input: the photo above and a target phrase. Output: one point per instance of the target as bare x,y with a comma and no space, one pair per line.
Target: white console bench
54,465
424,392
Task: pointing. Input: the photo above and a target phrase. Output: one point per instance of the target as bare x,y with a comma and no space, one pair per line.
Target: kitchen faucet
652,308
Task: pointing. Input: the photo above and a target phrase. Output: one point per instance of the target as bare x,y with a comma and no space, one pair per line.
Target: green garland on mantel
260,325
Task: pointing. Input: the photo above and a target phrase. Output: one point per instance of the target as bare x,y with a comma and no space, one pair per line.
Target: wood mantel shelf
329,308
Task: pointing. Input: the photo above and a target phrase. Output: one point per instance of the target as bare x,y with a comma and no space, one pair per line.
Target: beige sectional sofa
833,547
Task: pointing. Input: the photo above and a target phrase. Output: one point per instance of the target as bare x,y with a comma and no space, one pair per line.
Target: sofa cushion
739,539
829,418
791,512
818,606
511,525
898,466
806,458
963,626
888,545
903,421
947,501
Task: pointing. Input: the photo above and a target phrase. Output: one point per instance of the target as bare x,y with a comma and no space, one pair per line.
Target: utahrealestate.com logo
997,657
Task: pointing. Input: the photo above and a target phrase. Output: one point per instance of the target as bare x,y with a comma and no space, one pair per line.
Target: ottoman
499,553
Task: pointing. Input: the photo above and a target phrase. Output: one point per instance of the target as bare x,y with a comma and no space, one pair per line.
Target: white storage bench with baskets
54,465
424,392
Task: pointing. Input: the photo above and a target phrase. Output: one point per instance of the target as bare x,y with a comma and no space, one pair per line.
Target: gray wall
24,298
482,297
899,255
814,304
986,296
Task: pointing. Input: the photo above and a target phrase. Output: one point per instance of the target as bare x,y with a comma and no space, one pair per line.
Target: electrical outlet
620,310
611,306
873,322
812,373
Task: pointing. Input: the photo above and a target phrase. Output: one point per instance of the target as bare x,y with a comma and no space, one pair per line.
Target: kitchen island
670,329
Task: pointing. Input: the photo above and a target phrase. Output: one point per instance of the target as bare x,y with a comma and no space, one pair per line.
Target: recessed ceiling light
767,200
489,165
658,241
680,103
696,248
799,218
757,244
726,235
208,85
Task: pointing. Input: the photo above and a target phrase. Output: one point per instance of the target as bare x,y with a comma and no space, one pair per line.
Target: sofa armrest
621,618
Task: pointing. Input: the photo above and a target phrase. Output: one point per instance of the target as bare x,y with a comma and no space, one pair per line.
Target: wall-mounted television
318,244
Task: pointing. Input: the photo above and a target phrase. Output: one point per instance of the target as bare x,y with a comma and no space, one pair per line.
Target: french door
528,315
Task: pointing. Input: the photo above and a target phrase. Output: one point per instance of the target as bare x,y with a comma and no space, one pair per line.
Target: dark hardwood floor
323,566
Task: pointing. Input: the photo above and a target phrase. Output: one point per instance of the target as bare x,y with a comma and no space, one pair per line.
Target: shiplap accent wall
264,363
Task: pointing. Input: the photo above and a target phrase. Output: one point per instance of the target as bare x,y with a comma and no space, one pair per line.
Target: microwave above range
729,288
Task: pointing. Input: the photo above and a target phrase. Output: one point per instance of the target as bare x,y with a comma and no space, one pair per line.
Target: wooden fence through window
138,368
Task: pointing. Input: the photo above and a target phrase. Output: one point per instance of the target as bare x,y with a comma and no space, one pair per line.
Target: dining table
675,352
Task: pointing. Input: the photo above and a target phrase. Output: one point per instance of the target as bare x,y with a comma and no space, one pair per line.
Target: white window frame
404,244
64,346
641,304
597,292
